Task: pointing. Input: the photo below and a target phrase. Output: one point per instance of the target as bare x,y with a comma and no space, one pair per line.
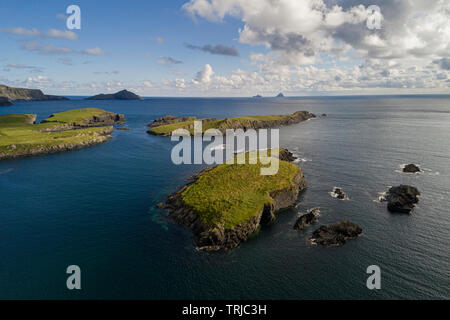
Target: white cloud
51,33
204,76
97,51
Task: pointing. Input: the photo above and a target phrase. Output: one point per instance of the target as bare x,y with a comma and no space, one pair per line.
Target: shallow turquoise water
95,208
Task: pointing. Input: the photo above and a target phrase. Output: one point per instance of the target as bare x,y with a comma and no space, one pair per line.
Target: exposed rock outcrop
168,120
307,219
411,168
22,94
402,198
121,95
286,155
336,234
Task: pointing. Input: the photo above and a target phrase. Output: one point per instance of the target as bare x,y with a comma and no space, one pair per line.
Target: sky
227,48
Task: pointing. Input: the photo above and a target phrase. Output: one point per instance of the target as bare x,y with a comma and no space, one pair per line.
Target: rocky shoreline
215,237
101,136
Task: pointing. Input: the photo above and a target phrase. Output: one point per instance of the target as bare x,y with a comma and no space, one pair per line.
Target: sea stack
402,198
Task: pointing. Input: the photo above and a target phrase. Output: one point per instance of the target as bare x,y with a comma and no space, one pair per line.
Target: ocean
95,207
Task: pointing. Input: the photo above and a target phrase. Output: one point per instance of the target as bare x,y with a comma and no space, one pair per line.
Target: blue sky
143,46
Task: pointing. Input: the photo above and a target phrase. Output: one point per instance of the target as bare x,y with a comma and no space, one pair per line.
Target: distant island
258,96
164,126
9,94
280,95
121,95
64,131
227,212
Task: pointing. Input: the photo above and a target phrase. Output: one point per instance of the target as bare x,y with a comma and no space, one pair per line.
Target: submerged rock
123,128
336,234
402,198
307,219
411,168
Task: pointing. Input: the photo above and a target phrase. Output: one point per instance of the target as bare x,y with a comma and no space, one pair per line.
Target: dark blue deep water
96,208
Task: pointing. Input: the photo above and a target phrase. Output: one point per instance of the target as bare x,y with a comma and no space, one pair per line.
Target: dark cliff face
22,94
121,95
5,102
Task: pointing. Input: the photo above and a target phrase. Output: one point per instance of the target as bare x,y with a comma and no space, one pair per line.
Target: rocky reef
336,234
121,95
22,94
402,198
221,222
307,219
339,194
411,168
245,123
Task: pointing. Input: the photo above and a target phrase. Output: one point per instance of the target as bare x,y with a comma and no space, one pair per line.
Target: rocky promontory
402,198
166,125
221,220
23,94
121,95
336,234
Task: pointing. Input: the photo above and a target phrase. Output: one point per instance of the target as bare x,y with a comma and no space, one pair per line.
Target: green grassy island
74,129
225,204
166,125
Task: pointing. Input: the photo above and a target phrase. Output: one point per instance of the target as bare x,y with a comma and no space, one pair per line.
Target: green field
17,136
74,116
232,194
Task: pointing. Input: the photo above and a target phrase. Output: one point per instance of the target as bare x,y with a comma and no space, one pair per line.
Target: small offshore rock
402,198
336,234
411,168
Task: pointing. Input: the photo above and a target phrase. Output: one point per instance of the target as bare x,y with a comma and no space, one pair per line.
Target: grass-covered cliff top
74,116
18,134
237,122
232,194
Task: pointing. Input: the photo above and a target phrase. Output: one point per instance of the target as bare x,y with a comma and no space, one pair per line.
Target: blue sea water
95,208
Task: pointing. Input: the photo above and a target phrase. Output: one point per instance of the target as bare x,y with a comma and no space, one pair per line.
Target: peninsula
223,209
8,94
69,130
164,126
121,95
